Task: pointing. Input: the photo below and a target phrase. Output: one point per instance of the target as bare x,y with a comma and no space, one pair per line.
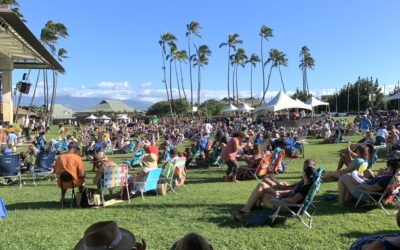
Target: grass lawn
36,221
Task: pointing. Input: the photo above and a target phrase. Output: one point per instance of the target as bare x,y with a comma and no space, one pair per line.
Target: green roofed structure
109,106
62,113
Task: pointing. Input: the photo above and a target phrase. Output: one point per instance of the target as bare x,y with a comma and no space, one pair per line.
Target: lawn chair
261,170
214,157
381,198
109,150
9,168
43,165
129,148
373,159
168,174
114,177
292,147
276,165
302,209
150,182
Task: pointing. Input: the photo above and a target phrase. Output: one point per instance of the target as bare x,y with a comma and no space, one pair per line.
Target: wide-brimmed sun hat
106,235
100,157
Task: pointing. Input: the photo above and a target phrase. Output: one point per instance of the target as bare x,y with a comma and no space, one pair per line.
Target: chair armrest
357,188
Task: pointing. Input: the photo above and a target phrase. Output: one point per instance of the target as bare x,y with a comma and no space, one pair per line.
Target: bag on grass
162,188
86,198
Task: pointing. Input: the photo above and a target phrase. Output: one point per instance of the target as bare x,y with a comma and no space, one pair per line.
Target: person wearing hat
70,163
268,189
107,235
100,161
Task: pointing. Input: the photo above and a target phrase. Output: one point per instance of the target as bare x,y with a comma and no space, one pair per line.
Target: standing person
70,165
40,141
208,127
365,125
229,154
12,141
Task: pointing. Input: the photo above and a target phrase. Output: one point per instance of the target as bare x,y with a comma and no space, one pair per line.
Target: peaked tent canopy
393,97
62,112
104,117
244,107
303,105
315,102
91,117
282,101
109,106
229,108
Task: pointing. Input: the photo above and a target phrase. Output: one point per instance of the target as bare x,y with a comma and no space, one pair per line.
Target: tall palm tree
182,57
174,58
172,49
265,34
14,6
193,28
276,58
166,38
239,59
306,62
253,60
201,59
233,40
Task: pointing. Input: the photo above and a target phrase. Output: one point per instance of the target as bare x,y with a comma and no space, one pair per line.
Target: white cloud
146,84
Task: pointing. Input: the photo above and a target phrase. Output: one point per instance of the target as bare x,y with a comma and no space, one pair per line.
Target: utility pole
348,97
358,97
336,100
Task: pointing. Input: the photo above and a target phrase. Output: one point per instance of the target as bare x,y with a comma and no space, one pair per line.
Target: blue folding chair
3,210
9,168
44,164
150,182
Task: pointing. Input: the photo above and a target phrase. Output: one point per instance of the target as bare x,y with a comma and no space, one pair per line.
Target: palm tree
239,59
306,61
192,29
265,34
174,58
172,49
182,57
276,59
253,60
233,40
166,37
13,5
201,59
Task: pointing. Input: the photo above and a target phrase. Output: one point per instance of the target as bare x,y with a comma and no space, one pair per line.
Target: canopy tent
393,97
122,117
104,117
229,108
91,117
315,102
244,107
303,105
282,101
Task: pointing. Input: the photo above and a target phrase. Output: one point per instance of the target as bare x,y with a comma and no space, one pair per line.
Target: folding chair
9,168
168,174
109,150
302,212
114,177
381,198
373,159
150,182
261,170
276,166
43,165
292,147
180,173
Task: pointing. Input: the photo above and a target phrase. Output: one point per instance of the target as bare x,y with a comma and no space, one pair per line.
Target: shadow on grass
358,234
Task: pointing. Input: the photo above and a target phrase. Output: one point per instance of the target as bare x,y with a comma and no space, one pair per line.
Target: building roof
109,106
23,112
62,112
21,45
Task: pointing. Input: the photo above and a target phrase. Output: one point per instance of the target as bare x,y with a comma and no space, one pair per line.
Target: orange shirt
71,163
231,149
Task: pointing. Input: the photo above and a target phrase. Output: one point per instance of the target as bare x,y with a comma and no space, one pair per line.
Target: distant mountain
79,103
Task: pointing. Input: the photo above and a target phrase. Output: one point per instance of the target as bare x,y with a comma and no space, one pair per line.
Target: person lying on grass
353,161
386,242
268,190
347,185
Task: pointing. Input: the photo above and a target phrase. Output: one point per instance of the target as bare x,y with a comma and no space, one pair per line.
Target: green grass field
36,221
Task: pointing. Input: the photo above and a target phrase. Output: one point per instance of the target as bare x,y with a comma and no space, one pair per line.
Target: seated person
148,162
100,161
256,155
353,161
386,242
268,190
192,241
347,184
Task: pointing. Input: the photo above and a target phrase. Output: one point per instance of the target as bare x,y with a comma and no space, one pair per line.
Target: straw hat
106,235
100,157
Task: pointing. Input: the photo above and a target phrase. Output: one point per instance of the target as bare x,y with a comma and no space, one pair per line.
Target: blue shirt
365,124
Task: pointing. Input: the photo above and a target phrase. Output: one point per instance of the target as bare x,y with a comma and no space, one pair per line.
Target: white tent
229,108
315,102
244,107
281,101
104,117
393,97
91,117
122,117
302,105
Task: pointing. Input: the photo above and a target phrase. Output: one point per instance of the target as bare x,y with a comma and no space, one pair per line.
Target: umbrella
91,117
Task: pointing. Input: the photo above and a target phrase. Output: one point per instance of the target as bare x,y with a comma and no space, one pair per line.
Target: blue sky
114,51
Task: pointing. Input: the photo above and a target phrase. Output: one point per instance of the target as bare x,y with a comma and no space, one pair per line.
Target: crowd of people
235,141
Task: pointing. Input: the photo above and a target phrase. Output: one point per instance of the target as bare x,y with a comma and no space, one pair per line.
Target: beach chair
43,165
109,150
292,147
276,165
129,148
114,177
150,182
3,210
381,198
261,170
168,175
9,168
302,213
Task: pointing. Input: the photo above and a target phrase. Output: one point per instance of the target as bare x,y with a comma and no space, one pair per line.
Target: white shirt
208,128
